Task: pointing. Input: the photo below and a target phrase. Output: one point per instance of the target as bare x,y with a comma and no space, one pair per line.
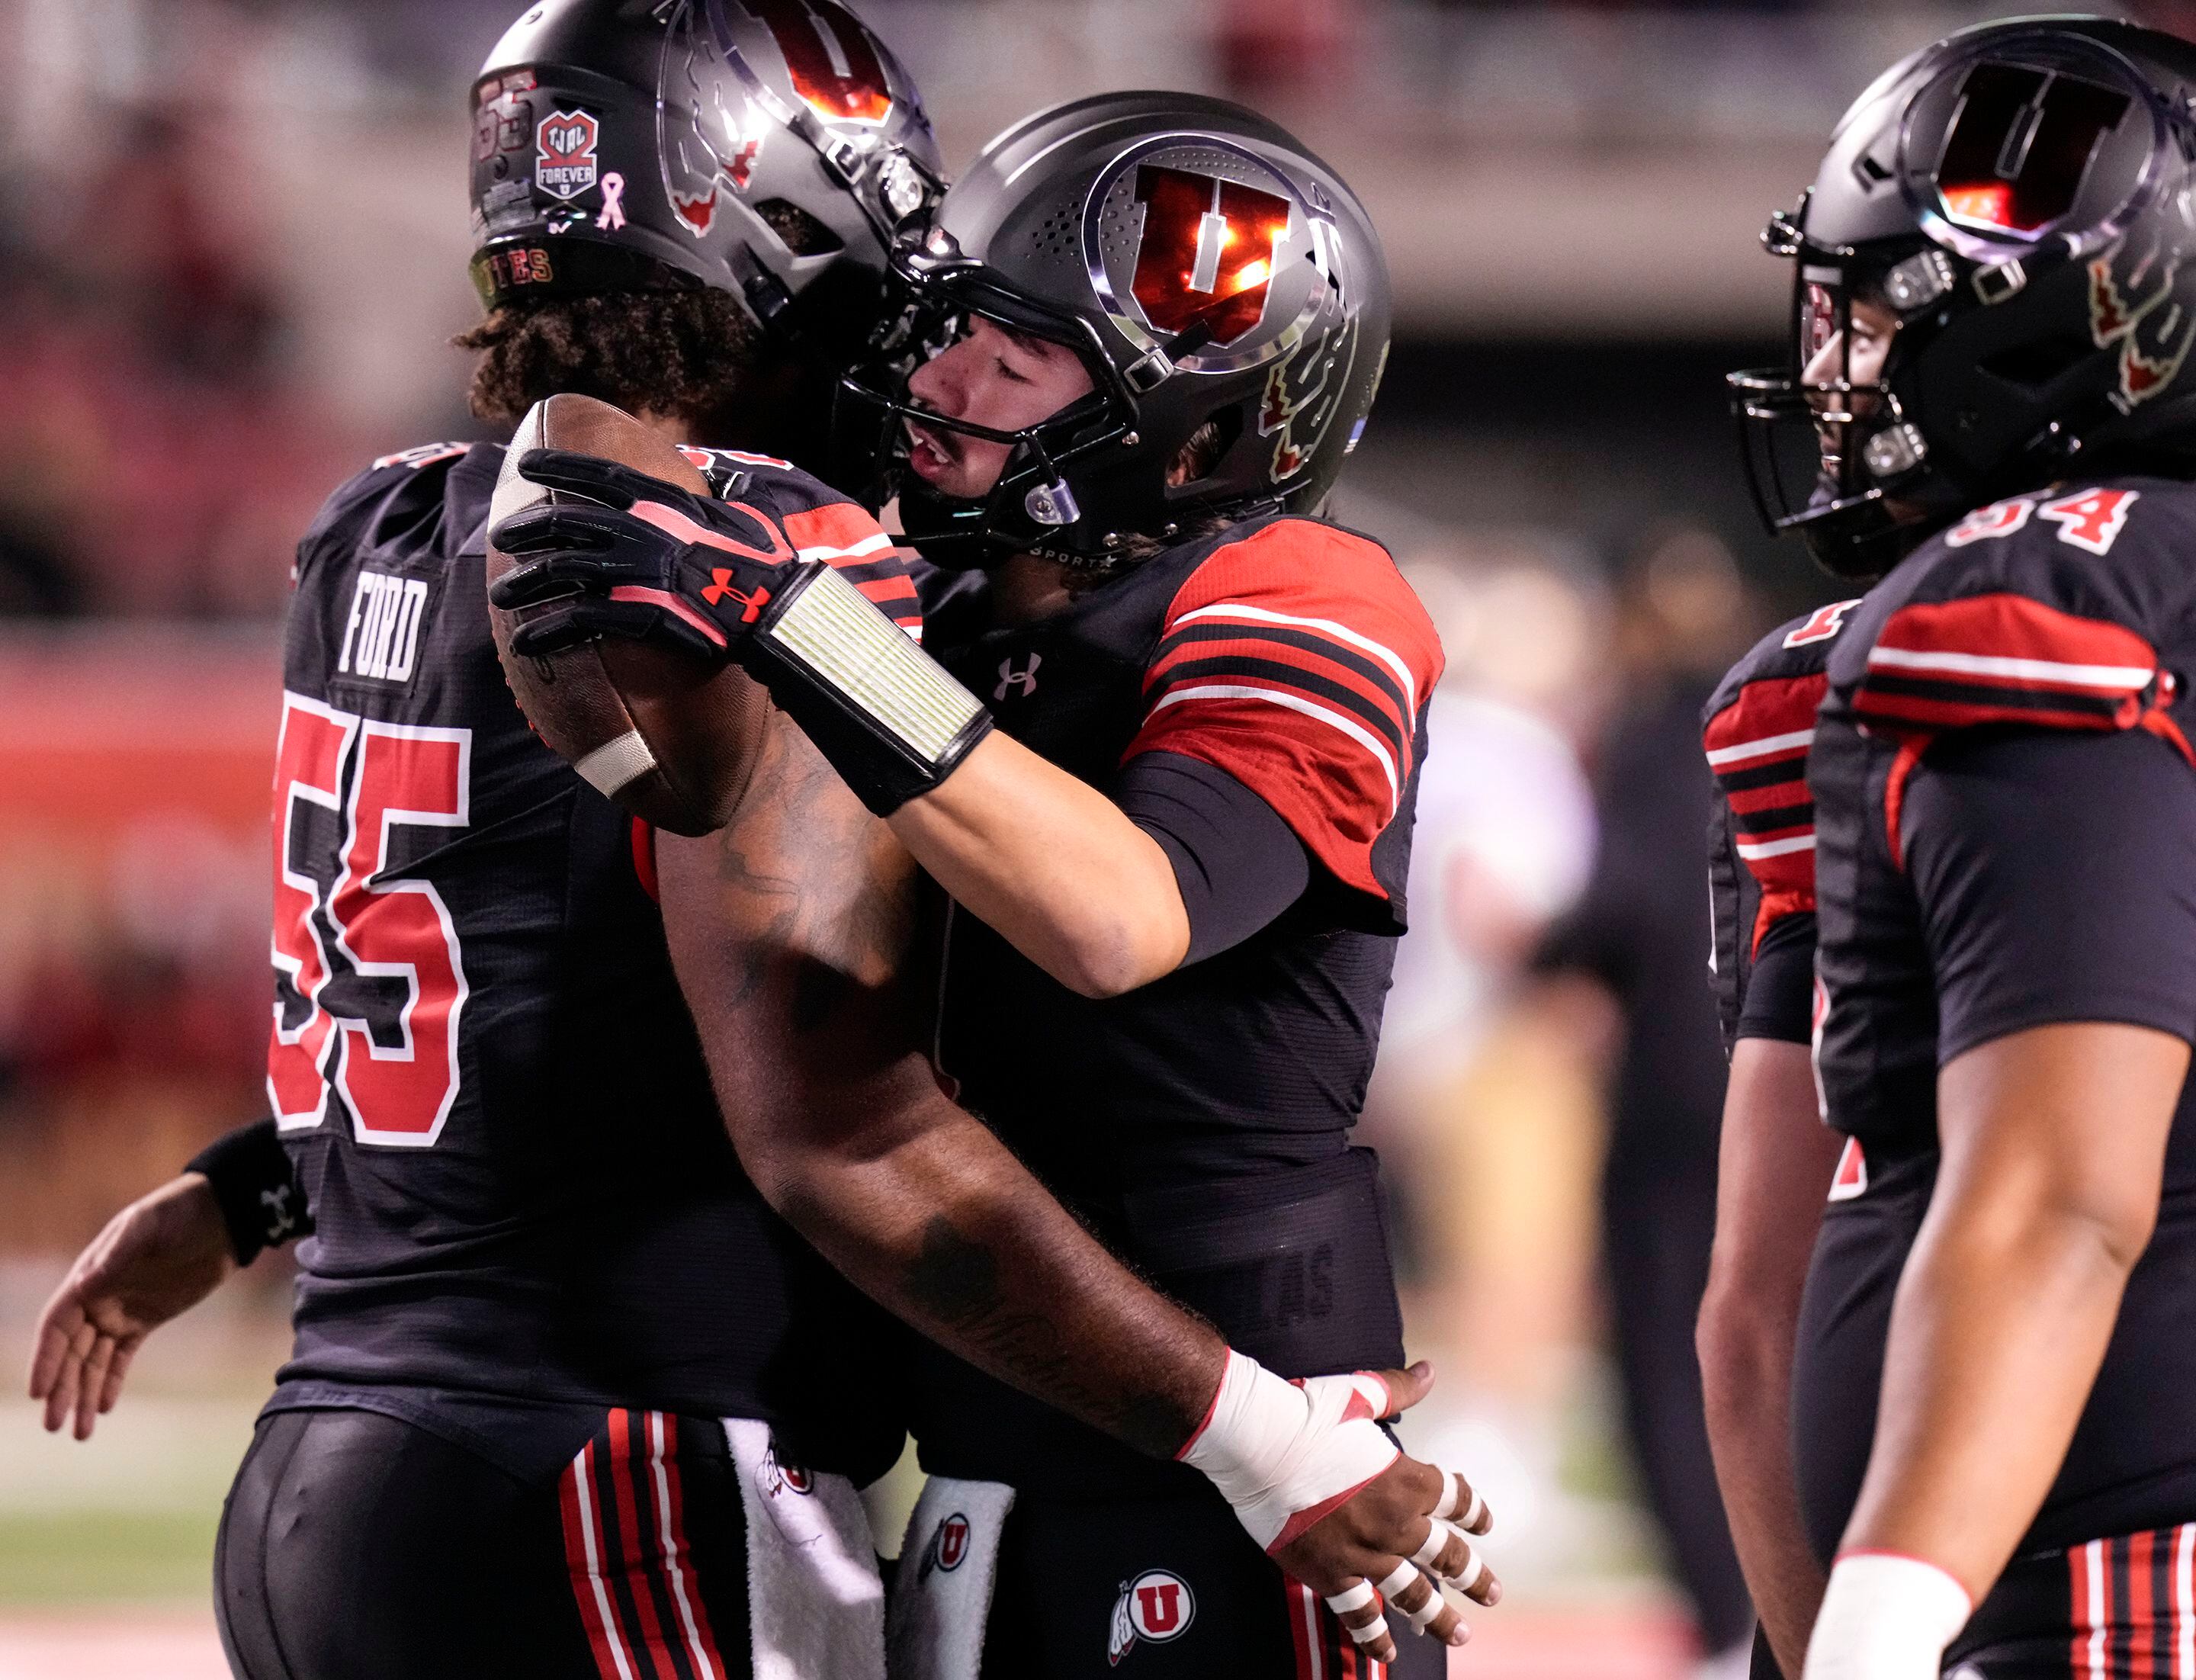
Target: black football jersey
1293,655
1756,730
2005,816
480,1060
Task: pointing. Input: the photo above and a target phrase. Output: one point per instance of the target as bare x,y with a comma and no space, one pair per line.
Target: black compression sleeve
256,1187
1780,986
2056,875
1238,865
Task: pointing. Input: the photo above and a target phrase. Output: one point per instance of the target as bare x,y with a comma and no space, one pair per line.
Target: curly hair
685,351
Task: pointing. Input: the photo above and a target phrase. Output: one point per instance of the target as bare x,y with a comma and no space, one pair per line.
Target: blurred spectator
1640,933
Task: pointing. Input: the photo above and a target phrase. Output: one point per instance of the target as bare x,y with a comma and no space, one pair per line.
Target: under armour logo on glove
639,558
720,590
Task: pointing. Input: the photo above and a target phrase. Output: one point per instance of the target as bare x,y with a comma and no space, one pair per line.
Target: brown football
667,737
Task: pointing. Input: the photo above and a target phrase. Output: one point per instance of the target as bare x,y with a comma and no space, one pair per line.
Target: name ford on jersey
382,640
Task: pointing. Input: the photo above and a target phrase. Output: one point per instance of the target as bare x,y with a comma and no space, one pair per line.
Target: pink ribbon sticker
613,216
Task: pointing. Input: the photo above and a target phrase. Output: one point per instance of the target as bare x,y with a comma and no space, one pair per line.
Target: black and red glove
720,580
640,558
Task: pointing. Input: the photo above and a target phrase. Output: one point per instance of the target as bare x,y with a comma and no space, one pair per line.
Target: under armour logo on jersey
1157,1606
280,1221
382,639
1022,682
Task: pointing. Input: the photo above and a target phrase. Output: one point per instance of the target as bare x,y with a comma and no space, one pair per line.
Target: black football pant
355,1546
2122,1606
1218,1608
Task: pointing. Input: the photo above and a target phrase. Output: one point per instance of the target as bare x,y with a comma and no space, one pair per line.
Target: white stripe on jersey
1342,632
1295,703
1754,851
2037,670
868,544
1762,748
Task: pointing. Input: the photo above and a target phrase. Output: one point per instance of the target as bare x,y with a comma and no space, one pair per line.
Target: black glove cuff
889,719
256,1187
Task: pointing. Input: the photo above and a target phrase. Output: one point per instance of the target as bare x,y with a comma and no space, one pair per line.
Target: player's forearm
1998,1332
2010,1294
1746,1377
1776,1162
1054,866
949,1232
2000,1325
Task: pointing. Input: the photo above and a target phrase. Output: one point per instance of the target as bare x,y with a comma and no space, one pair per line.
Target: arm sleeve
1780,986
1238,864
256,1187
2056,878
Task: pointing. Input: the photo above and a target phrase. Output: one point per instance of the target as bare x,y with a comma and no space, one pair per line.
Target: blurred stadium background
232,237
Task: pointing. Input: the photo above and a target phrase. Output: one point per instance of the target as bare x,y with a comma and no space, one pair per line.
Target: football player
1163,762
553,1340
1995,303
1776,1156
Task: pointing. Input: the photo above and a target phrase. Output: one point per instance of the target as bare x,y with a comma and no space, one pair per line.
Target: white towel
816,1604
942,1596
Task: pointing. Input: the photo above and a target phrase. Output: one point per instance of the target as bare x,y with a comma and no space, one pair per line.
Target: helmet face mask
2018,198
1218,283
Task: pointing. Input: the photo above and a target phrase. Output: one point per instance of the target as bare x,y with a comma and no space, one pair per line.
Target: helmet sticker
564,153
830,56
2132,302
2020,145
1300,397
1208,247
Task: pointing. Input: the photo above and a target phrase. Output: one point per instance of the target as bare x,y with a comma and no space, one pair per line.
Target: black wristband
256,1187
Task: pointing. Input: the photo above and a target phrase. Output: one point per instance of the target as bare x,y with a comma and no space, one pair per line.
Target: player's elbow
1107,956
1742,1342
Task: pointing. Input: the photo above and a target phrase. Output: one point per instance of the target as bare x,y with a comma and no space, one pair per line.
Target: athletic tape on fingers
1351,1599
1402,1575
1453,1496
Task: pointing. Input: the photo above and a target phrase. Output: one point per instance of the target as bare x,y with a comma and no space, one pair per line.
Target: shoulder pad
2063,609
1759,728
400,491
1298,574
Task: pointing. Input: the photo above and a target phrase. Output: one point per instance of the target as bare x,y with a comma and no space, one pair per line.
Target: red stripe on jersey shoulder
1760,727
836,524
1298,659
2006,658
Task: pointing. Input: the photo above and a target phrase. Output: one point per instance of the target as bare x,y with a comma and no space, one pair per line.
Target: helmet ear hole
1206,448
800,232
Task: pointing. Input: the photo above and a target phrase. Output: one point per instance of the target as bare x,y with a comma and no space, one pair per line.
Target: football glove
720,581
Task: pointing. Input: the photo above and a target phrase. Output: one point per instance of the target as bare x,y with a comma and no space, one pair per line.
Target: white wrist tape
1885,1617
1285,1454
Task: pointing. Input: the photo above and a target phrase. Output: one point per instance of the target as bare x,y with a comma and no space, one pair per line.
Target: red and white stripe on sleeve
1757,749
1297,660
858,550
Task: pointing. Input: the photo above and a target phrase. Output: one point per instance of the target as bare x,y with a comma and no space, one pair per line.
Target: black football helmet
767,148
2021,197
1209,271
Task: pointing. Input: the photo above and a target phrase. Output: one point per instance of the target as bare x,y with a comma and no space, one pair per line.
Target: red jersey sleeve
1297,660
